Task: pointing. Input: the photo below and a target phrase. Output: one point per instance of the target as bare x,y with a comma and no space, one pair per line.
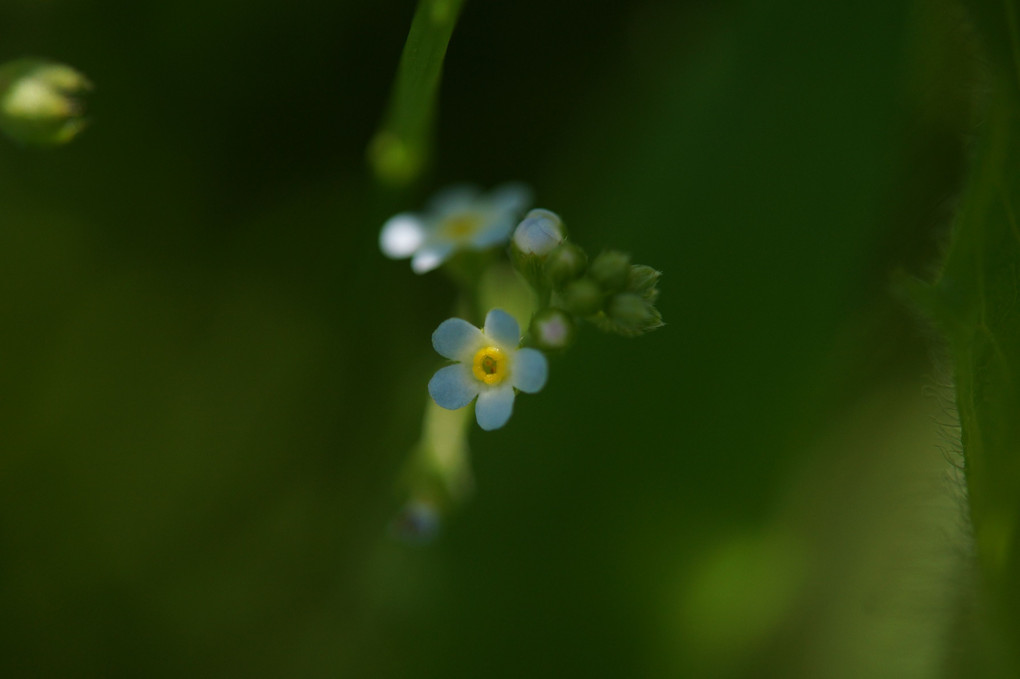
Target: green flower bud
630,315
564,264
582,297
552,329
39,101
610,270
642,280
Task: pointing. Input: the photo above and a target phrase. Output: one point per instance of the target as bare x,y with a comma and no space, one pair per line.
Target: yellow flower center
461,226
490,365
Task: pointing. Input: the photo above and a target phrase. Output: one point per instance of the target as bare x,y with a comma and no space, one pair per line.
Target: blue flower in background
489,365
458,218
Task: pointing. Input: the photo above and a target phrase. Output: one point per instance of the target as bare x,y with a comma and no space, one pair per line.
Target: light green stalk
400,149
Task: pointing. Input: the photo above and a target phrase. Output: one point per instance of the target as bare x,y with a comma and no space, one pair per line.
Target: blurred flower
459,218
489,365
417,522
40,101
539,233
552,329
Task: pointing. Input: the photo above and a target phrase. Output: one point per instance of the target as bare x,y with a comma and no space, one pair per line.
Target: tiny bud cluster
608,290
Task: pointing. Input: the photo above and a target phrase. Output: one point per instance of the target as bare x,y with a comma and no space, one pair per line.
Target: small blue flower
489,365
458,218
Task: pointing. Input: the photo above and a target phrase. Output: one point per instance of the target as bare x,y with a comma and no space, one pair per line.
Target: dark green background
210,377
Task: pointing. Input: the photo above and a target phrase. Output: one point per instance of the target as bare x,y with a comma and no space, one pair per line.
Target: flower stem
399,150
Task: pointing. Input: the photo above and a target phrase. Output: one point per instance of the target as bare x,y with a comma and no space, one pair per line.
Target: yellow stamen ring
490,365
461,226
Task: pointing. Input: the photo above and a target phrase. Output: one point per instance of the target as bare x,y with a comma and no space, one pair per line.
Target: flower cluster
491,364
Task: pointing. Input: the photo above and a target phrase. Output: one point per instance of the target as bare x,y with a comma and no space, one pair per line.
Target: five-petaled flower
458,218
489,365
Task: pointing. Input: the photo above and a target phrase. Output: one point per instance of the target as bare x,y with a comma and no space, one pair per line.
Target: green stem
400,148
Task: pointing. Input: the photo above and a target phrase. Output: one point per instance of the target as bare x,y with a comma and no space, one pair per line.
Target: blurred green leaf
977,301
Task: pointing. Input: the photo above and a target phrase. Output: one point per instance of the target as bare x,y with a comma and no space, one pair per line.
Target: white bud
539,233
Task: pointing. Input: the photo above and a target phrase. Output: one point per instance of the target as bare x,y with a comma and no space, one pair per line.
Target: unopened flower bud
642,281
582,297
539,233
552,329
564,264
632,315
40,101
610,270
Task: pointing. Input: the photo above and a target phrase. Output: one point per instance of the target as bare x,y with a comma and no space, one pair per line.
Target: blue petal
530,370
431,257
513,198
457,339
453,387
494,407
502,328
453,199
495,232
401,236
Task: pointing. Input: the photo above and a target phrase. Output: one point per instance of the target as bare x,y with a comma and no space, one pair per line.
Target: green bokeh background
210,378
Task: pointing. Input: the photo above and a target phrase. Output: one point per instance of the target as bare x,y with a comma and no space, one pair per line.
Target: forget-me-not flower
458,218
489,365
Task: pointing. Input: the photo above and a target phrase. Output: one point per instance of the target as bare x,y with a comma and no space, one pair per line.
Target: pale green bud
630,315
642,280
582,297
40,101
610,270
564,264
552,329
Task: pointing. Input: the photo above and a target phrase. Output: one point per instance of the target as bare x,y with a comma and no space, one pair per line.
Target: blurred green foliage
976,300
211,378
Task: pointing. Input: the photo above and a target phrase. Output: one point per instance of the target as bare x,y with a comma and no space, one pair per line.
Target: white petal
494,232
453,387
494,407
457,339
502,329
529,371
513,197
401,235
453,199
430,257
